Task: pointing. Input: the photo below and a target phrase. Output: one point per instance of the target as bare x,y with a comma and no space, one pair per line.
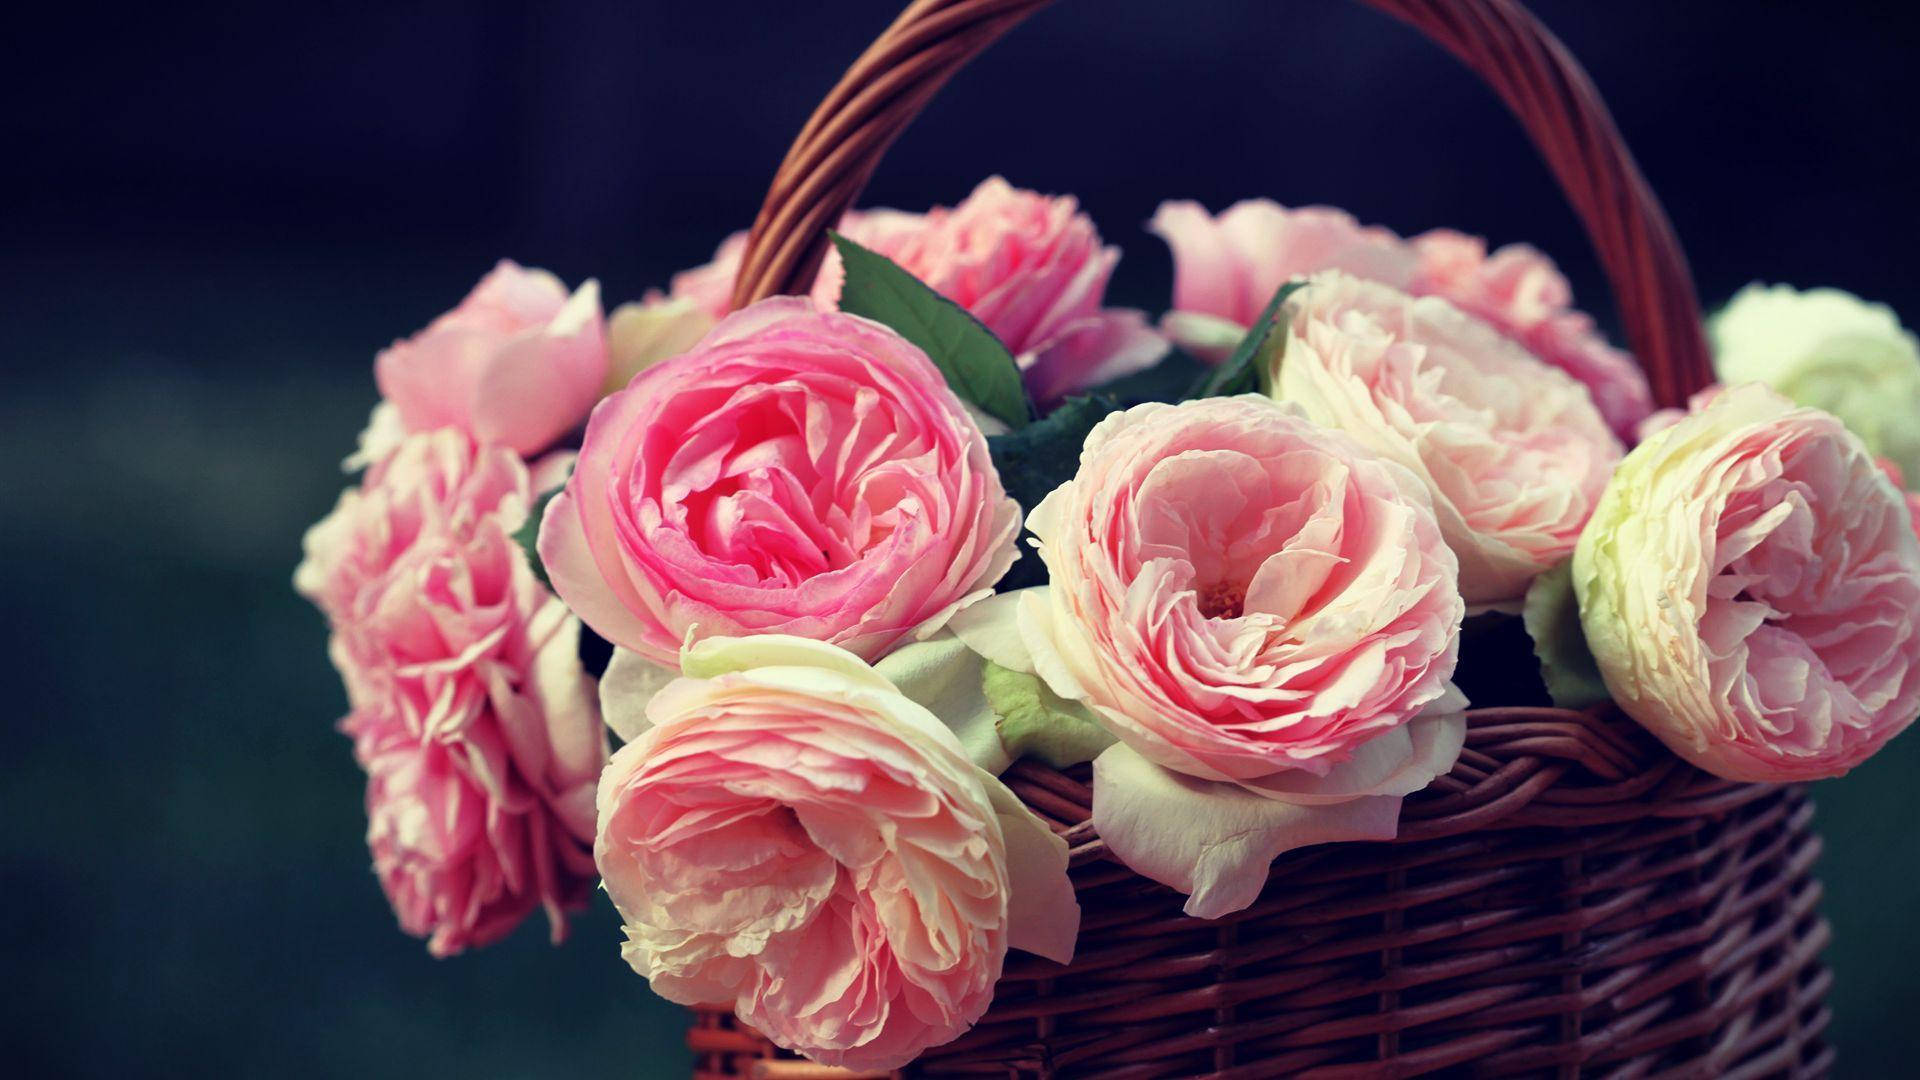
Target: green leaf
1552,618
528,534
1250,369
1035,722
1038,458
1167,381
976,364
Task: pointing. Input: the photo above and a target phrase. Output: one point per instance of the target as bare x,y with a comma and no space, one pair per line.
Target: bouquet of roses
827,565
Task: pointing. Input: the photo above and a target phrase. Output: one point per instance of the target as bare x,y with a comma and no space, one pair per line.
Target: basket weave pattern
1571,900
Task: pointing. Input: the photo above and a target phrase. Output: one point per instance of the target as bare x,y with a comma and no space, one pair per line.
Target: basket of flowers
1349,674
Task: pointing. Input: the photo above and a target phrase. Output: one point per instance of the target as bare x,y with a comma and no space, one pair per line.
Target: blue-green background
212,216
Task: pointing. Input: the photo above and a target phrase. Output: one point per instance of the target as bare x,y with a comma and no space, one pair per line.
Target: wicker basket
1571,900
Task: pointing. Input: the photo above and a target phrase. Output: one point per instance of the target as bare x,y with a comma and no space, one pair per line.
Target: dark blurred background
212,216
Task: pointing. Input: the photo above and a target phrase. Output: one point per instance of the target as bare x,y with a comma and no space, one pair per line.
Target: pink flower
470,710
1227,267
1033,269
1748,587
1242,597
790,834
1519,292
517,364
799,472
1513,451
1029,266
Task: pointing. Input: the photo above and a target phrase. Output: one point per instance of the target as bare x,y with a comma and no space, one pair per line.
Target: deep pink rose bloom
1031,267
517,364
1227,267
792,836
1749,586
477,726
799,472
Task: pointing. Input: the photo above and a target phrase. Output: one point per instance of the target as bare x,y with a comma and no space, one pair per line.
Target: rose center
1222,600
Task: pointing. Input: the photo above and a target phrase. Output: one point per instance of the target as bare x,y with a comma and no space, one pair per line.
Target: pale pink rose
517,364
1227,267
1512,449
1031,267
1519,292
789,834
470,709
1748,587
799,472
1242,596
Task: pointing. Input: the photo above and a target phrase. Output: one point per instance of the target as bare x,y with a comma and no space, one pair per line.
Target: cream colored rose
1748,586
1831,350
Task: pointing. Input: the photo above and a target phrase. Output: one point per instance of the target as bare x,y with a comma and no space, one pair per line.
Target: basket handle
842,142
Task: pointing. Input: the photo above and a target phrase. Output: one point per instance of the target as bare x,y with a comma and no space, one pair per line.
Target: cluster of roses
789,522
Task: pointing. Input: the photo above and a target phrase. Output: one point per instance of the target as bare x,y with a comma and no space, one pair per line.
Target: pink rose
1033,269
1227,267
788,833
470,710
1029,266
1748,587
517,364
1513,451
799,472
1519,292
1245,598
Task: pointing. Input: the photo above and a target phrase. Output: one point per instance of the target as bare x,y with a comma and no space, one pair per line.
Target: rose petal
1215,841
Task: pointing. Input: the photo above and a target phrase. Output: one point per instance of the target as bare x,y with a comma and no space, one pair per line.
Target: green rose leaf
1552,618
1250,369
1038,458
977,366
1035,722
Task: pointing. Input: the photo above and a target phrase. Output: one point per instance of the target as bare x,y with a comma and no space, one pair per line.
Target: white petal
992,629
715,656
1043,914
945,677
1399,762
629,683
1215,841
